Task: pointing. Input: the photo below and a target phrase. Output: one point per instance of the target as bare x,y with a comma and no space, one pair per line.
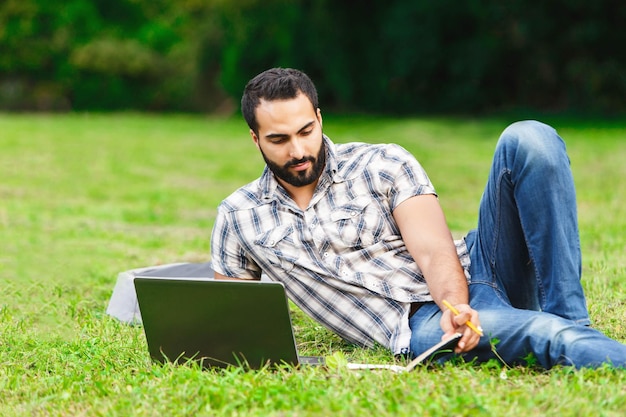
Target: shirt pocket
359,223
279,247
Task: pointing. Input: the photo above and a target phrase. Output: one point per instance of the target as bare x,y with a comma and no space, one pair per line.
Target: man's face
290,140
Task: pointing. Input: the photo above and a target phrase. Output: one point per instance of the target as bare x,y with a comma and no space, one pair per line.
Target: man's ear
255,138
319,116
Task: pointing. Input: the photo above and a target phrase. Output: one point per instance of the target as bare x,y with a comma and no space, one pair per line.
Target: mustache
295,162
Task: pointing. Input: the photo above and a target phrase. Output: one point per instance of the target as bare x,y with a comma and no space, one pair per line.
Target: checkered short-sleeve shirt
342,260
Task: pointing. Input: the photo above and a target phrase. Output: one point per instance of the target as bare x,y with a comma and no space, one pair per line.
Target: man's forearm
430,243
445,278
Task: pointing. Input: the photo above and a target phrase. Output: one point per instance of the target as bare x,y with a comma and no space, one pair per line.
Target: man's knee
534,141
530,132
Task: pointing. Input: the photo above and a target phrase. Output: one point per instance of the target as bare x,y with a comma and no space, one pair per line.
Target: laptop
218,323
221,323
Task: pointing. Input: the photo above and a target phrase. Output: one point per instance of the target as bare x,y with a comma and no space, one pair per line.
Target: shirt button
353,213
325,254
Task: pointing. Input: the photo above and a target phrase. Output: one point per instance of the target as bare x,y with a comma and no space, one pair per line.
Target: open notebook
445,347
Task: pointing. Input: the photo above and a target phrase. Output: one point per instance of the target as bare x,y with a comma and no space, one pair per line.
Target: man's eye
307,132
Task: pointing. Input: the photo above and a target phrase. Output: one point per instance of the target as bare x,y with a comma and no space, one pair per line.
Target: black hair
275,84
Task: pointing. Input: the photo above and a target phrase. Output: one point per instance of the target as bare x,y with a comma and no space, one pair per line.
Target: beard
301,178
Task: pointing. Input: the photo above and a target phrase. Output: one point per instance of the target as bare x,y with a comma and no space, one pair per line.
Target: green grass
83,197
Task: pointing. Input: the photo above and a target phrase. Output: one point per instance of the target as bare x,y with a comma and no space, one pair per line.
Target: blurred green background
394,56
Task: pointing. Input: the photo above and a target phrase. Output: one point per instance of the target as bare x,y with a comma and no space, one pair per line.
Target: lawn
86,196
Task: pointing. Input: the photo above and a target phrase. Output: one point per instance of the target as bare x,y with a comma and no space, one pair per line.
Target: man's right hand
451,323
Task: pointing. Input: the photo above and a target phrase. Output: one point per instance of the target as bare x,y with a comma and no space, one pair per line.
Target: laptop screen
217,323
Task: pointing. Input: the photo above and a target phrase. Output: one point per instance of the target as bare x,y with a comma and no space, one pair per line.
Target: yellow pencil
456,313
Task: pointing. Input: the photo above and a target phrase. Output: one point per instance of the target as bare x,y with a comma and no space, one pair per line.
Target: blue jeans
526,262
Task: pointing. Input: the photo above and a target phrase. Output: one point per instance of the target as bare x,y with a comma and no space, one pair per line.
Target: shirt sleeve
409,177
227,255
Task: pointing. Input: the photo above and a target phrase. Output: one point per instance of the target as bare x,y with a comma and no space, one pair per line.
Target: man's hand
451,323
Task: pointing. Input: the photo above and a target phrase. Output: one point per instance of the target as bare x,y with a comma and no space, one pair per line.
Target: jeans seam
541,292
498,221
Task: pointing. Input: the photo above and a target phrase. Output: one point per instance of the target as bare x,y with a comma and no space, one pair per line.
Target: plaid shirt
342,260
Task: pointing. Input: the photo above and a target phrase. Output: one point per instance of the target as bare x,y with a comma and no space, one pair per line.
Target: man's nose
297,150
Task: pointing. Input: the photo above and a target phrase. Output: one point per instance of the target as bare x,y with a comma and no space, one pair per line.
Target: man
356,234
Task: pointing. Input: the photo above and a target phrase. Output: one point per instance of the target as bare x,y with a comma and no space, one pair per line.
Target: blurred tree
34,38
394,56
